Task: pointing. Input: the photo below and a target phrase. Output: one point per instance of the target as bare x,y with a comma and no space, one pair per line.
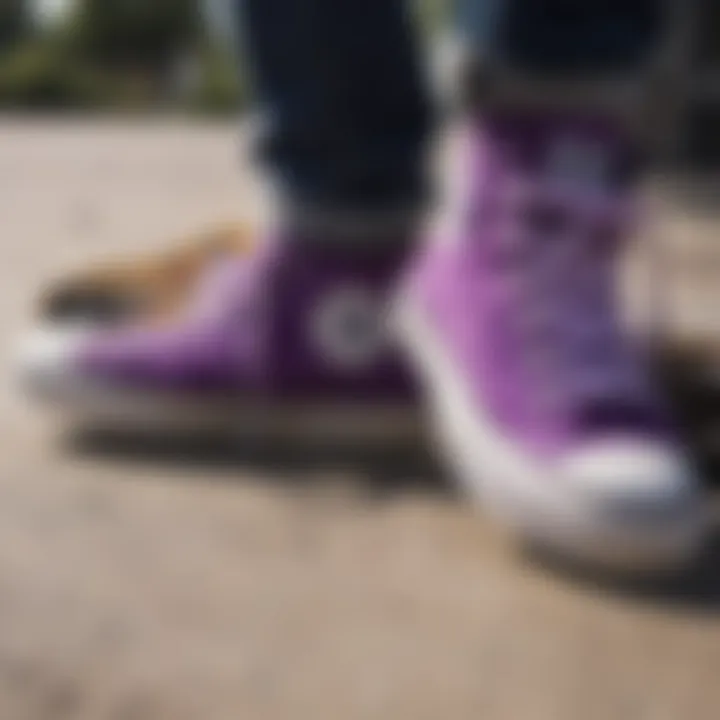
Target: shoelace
562,245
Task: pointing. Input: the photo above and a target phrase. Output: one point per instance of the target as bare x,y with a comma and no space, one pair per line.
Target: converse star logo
348,328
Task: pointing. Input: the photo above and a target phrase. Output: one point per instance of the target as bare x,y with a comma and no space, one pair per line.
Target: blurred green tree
14,23
145,35
39,75
221,87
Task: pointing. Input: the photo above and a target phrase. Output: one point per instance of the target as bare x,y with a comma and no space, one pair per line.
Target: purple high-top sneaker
543,406
290,339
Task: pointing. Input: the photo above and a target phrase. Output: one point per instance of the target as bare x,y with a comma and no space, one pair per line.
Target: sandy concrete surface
134,588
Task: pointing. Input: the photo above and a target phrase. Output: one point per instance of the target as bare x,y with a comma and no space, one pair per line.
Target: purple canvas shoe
292,338
543,407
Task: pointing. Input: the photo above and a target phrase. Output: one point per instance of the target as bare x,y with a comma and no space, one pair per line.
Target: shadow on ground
694,590
689,376
385,474
378,472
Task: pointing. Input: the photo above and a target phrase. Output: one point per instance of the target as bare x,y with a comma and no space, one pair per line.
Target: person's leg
343,107
547,410
299,324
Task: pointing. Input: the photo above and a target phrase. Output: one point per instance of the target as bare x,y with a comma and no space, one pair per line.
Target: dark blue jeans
345,107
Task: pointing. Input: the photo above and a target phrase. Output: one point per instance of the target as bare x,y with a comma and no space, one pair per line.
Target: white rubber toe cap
639,500
633,473
47,361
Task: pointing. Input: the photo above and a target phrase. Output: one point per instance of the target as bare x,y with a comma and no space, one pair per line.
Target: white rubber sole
78,400
545,510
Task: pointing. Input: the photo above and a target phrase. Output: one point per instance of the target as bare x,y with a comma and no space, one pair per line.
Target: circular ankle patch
347,326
